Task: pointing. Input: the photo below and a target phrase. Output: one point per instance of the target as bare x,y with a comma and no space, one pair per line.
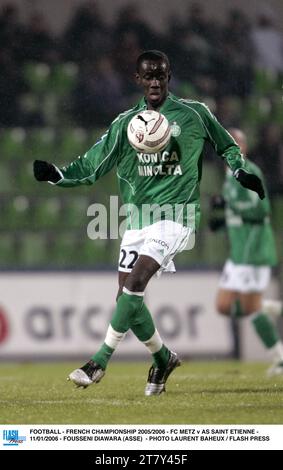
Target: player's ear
137,78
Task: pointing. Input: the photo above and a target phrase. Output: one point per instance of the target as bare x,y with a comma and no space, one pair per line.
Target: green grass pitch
197,393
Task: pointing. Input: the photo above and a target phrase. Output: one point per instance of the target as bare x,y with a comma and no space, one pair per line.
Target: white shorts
161,241
244,278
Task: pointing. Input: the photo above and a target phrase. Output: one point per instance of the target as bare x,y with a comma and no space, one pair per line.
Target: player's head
240,139
153,75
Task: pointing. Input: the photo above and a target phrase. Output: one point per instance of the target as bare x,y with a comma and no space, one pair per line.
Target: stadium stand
44,226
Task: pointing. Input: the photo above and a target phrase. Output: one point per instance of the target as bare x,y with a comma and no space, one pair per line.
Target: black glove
44,171
250,181
217,202
216,223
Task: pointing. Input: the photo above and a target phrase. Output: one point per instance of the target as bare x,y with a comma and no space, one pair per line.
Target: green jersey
167,178
248,222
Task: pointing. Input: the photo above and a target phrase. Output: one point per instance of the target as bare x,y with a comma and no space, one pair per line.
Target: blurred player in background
246,273
146,249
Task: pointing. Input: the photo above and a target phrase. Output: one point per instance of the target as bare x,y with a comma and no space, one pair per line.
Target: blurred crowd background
58,93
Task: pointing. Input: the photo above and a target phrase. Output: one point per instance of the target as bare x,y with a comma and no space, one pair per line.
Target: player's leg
241,288
163,240
130,308
252,305
129,311
121,279
142,324
160,242
129,304
164,360
225,301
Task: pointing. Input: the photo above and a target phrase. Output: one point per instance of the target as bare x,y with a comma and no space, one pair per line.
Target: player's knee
223,308
136,284
246,311
249,307
141,274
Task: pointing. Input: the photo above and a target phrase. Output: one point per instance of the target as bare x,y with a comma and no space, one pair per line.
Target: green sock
143,326
265,330
103,355
126,308
236,309
161,357
144,329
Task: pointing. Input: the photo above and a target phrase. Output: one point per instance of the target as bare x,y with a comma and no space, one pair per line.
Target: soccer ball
149,131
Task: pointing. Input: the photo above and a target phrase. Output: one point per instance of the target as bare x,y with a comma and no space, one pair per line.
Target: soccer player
246,273
148,247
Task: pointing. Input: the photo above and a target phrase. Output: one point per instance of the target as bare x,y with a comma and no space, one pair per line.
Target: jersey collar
143,104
